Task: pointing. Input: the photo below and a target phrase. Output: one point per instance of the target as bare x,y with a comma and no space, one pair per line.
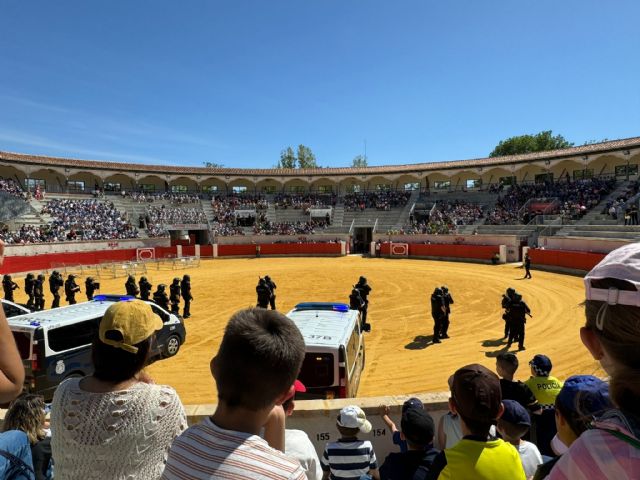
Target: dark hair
259,358
112,364
508,361
26,413
476,427
512,430
348,432
620,337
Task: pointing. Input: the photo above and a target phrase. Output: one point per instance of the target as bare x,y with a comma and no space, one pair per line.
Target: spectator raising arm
11,369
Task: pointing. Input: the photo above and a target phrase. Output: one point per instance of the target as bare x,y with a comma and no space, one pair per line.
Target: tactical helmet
176,280
362,280
143,279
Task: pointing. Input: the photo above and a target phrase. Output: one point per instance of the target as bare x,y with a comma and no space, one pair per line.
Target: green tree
287,159
593,142
213,165
540,142
359,161
306,158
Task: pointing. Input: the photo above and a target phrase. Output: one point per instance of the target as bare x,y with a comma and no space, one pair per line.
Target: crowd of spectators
150,197
445,218
617,207
87,219
382,200
12,187
571,198
305,201
239,202
164,215
289,228
27,234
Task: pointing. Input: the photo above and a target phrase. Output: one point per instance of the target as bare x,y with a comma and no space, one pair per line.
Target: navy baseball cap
584,394
515,413
417,426
413,402
541,364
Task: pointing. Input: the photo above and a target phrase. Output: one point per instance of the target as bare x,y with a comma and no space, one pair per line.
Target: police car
334,349
56,344
12,309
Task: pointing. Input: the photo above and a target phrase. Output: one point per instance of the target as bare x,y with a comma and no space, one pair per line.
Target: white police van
12,309
56,344
334,349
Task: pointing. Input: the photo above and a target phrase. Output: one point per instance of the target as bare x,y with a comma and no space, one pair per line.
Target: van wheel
172,346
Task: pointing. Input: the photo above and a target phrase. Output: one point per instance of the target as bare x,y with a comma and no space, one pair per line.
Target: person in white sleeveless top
116,423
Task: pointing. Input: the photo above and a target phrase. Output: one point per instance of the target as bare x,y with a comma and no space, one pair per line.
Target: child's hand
384,410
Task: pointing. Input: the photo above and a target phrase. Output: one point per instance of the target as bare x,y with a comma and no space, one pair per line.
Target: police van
334,349
56,344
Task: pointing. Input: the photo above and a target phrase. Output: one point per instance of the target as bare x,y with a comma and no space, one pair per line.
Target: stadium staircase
16,212
133,210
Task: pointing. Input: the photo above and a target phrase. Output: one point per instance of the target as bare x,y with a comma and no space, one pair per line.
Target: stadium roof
597,148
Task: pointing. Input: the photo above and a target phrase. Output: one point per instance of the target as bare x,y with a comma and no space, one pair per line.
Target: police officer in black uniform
70,289
174,296
185,287
160,297
448,300
507,299
90,287
365,290
264,294
55,283
357,303
272,286
38,292
145,288
527,266
438,312
131,287
28,289
8,286
517,314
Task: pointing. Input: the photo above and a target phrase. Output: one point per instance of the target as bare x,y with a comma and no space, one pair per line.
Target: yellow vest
545,389
492,460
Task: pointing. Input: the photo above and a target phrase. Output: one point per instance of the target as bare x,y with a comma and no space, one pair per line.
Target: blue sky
235,82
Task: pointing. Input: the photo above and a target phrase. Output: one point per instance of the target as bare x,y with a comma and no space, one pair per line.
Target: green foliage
304,159
359,162
213,165
540,142
593,142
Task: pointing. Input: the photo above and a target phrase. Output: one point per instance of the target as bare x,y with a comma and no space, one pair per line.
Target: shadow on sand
420,342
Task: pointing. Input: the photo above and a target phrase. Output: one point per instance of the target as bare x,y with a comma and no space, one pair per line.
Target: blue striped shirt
348,459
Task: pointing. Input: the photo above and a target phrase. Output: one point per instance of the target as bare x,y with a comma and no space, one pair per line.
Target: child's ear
591,341
500,411
285,395
213,367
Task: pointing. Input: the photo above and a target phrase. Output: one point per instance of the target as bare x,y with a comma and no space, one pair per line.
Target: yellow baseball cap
134,320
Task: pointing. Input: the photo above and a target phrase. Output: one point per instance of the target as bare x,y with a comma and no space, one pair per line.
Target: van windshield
23,341
317,370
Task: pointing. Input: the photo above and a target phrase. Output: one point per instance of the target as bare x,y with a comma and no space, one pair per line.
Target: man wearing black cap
448,301
185,289
55,283
439,313
476,398
272,287
365,290
417,429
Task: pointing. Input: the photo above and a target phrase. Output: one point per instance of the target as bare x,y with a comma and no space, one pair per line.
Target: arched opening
183,185
118,182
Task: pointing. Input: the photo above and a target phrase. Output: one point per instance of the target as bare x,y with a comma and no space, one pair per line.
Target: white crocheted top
116,435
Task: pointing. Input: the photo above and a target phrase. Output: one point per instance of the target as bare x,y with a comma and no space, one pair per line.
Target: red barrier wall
480,252
279,249
567,259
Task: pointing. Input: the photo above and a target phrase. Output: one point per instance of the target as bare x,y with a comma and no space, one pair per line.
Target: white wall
244,239
41,248
582,244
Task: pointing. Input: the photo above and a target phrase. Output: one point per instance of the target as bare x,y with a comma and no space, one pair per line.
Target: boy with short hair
513,425
506,366
350,458
417,431
476,398
396,437
255,369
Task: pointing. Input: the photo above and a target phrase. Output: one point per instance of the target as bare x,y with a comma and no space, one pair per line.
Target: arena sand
400,358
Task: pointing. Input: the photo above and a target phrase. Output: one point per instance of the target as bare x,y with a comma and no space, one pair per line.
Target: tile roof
598,148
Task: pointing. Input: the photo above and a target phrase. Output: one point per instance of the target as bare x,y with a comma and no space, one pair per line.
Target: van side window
353,347
73,336
163,316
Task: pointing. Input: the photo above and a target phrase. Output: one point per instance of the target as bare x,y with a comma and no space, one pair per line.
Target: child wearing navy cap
513,425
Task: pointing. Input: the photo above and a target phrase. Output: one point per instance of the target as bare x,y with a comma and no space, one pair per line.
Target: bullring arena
175,212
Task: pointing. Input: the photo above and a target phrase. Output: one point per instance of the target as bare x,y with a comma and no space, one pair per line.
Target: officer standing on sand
272,287
365,290
517,314
357,303
160,297
8,286
439,313
38,292
55,283
70,289
174,296
264,294
145,288
448,300
185,287
28,289
507,299
527,266
90,287
131,287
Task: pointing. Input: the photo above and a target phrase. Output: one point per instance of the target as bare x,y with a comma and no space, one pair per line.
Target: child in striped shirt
350,458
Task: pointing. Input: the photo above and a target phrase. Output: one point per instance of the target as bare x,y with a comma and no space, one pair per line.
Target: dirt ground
400,357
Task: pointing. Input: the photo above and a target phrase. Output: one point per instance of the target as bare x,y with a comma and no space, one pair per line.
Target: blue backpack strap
18,469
